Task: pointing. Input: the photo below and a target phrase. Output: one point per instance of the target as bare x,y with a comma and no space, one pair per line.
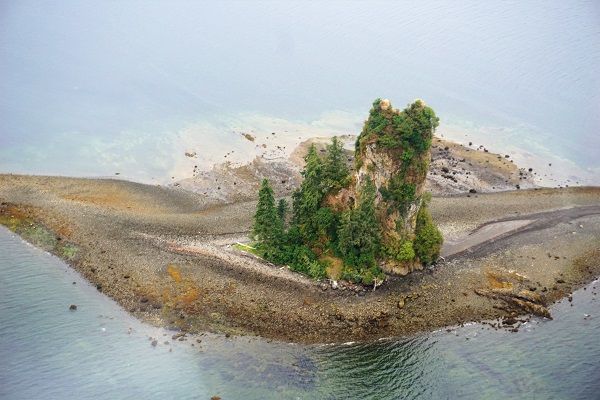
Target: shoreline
107,220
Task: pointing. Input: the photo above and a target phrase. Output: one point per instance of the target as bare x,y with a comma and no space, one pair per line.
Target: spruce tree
307,199
282,207
335,169
267,228
358,236
428,240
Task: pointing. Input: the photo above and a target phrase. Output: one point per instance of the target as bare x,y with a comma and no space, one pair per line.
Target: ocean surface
100,88
100,352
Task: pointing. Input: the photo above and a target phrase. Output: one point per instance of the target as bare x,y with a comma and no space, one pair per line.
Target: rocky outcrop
393,152
229,183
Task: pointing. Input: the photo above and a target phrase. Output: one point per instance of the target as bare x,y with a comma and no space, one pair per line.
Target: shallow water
100,352
134,85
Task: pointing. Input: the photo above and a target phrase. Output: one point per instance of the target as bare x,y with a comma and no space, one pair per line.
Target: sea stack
393,152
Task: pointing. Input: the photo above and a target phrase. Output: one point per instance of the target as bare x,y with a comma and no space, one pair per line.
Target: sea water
99,88
100,352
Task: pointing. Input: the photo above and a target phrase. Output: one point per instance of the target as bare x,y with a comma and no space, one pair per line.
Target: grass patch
35,233
39,236
68,251
246,248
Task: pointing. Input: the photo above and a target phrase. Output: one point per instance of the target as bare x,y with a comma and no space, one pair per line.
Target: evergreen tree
336,172
307,199
428,240
320,232
268,227
359,236
282,207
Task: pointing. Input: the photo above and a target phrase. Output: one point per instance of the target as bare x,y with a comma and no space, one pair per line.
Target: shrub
317,270
400,193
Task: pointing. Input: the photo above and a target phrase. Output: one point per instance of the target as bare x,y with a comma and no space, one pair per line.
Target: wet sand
165,255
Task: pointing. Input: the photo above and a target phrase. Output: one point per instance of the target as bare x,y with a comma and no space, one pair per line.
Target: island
404,232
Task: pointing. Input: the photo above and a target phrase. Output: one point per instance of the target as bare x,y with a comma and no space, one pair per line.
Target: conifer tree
428,239
307,199
282,207
335,169
358,235
267,228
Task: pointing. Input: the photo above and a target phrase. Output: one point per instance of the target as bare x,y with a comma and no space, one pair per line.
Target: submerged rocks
73,307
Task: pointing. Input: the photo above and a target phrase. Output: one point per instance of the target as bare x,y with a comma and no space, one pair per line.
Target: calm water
94,88
100,352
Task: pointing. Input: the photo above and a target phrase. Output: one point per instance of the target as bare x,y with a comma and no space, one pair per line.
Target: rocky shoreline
166,256
453,169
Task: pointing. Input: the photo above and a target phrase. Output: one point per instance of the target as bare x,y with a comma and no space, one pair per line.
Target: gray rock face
380,166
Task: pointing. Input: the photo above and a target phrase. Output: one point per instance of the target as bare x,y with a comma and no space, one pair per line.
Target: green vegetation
359,238
407,136
268,226
358,233
37,234
331,234
68,251
428,240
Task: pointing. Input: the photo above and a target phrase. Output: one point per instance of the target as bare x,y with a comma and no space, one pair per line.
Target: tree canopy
318,234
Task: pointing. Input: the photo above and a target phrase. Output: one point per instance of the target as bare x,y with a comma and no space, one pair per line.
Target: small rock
73,307
154,343
401,303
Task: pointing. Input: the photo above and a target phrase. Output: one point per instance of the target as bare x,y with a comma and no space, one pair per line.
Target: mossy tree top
409,131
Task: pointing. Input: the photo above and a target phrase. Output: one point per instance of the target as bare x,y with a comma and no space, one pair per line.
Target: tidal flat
167,258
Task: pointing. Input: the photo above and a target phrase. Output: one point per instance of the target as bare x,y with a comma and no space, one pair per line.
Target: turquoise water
133,85
100,352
